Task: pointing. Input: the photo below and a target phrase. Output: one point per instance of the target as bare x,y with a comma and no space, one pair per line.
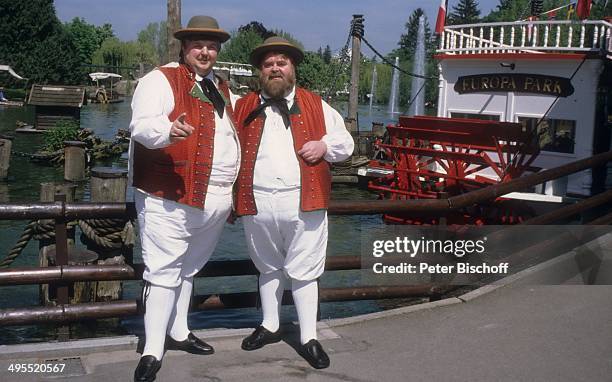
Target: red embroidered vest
181,171
307,125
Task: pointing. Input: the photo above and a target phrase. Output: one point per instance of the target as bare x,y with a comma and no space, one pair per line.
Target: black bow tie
281,105
210,91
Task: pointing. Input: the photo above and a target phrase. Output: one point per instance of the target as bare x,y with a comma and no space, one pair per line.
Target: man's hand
313,151
180,130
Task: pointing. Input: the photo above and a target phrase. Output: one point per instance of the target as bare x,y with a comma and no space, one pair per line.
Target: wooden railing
235,69
527,37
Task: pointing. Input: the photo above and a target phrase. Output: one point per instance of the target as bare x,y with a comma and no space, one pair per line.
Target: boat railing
235,68
563,36
63,275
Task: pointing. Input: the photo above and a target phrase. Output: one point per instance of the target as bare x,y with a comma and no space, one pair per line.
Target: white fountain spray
373,87
393,98
417,94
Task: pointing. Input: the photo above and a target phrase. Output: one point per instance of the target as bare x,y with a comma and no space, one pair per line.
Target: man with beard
183,162
288,137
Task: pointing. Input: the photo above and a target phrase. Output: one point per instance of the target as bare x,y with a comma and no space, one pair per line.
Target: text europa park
515,82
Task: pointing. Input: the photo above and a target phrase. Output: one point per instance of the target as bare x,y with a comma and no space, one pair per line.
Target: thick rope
27,234
106,233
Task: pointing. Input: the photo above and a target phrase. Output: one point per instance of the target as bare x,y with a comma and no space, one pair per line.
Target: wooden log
6,143
81,291
378,129
48,191
74,161
355,61
109,185
173,24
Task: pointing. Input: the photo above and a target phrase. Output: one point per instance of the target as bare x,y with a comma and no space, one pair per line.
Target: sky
316,23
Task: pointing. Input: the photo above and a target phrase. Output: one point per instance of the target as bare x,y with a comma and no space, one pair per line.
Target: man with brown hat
288,137
184,160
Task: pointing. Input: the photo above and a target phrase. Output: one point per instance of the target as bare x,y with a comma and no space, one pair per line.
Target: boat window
556,135
486,117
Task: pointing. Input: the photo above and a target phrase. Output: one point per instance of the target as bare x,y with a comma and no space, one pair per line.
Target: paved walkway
518,331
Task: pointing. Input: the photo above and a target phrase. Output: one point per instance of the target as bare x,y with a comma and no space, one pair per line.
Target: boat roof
7,68
102,76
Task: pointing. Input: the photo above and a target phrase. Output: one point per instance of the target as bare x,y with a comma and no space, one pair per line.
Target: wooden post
74,161
48,191
357,32
109,185
173,24
6,142
378,129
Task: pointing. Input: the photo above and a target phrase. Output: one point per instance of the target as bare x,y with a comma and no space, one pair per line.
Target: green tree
510,10
156,35
313,73
87,39
239,47
405,52
465,12
327,54
408,40
35,43
115,54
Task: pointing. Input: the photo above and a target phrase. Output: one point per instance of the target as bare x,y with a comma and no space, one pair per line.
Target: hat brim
259,53
217,34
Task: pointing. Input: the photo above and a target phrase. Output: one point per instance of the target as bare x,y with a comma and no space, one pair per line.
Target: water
24,184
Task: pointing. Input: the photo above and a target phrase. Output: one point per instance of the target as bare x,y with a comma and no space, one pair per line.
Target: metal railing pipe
69,273
572,209
517,184
79,312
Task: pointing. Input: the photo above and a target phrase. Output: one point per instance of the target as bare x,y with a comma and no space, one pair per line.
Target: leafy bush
65,130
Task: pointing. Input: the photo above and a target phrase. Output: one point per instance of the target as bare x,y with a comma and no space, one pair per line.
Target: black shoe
313,352
147,369
192,345
260,337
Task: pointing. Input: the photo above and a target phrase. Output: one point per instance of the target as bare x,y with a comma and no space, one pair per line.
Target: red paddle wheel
433,158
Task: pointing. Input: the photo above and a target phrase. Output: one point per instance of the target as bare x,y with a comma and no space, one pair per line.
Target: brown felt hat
202,26
276,44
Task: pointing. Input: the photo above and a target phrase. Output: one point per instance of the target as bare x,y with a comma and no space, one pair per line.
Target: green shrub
65,130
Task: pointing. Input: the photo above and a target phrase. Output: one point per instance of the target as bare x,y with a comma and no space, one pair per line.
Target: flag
570,10
583,9
552,15
440,21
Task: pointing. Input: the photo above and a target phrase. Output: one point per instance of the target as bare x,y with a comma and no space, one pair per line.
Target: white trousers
281,237
177,240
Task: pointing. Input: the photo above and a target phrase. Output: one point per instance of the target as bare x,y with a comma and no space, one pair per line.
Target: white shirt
277,166
153,101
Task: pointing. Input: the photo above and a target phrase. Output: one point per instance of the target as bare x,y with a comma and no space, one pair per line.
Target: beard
277,89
